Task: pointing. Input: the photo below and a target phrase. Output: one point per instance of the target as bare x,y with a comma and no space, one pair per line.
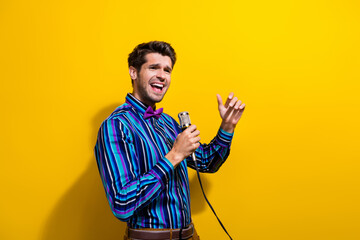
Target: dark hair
137,56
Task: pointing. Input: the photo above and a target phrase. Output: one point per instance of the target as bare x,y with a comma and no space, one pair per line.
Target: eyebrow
158,65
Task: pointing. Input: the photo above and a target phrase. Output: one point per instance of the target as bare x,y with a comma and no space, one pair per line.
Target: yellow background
293,172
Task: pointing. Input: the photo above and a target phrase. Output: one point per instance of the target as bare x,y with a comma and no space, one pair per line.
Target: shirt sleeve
126,189
211,156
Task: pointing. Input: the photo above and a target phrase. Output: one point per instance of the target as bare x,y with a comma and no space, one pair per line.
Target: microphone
185,122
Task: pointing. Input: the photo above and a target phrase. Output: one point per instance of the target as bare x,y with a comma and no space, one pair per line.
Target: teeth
157,85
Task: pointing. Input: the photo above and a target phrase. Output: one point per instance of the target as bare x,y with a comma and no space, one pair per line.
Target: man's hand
185,144
231,112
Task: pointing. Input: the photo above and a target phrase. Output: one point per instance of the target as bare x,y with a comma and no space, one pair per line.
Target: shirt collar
137,104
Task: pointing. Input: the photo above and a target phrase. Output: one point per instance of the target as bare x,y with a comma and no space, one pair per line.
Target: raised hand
230,112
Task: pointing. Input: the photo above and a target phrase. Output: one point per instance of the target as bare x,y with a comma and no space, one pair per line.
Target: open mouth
157,87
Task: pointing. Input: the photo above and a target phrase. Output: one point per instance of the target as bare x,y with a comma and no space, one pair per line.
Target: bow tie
151,113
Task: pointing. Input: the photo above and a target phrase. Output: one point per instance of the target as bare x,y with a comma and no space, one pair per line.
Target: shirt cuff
224,138
163,171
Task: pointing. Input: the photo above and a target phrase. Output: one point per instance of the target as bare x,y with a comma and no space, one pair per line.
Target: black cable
198,174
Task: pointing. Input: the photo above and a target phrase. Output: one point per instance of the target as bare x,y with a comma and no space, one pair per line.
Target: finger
238,114
196,139
195,133
237,105
219,100
242,106
228,113
233,102
189,130
231,95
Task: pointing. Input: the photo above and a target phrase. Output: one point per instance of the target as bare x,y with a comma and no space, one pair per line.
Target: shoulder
119,121
120,111
121,115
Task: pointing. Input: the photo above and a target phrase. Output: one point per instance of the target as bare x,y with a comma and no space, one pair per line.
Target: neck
147,103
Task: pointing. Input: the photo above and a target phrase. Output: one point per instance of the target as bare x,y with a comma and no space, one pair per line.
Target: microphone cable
202,189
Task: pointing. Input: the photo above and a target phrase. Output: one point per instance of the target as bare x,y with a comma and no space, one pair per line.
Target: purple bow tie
150,113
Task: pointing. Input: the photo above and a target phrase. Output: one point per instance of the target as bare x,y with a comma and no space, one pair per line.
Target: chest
151,141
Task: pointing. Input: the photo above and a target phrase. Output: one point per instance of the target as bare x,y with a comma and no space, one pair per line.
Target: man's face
153,80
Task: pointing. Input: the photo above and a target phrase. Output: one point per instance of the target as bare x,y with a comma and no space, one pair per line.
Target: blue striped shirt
141,185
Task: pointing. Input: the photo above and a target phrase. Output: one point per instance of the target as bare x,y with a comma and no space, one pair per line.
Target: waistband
161,234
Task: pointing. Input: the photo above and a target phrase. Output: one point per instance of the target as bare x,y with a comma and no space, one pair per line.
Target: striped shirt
141,185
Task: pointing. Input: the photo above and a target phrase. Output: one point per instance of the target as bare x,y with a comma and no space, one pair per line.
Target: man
140,151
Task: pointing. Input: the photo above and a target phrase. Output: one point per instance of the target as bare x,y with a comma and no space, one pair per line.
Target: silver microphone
185,122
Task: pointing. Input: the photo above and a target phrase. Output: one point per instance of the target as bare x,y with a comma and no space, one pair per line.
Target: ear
133,73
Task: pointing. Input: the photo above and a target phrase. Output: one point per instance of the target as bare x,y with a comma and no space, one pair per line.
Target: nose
161,75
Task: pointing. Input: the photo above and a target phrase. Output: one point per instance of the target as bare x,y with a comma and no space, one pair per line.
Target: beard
147,95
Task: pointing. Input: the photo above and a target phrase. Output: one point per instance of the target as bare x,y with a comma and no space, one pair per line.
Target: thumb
220,102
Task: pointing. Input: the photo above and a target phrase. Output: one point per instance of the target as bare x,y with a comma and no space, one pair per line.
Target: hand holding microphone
185,144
